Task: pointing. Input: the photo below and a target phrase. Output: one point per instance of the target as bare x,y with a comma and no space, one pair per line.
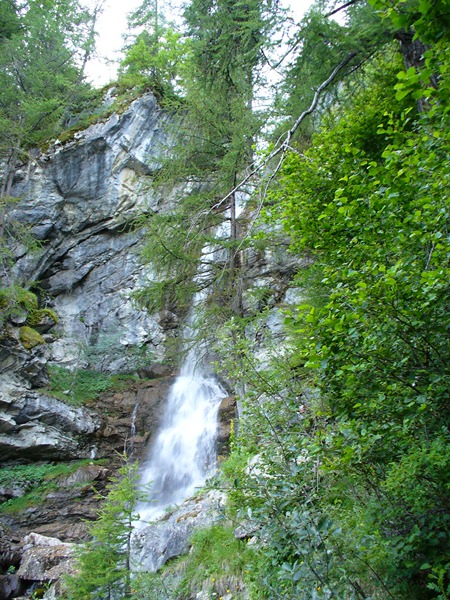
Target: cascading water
183,454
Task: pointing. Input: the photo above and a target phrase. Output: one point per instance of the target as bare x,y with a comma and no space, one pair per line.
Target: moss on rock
29,337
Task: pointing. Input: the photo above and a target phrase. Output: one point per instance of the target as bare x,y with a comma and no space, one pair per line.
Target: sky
112,25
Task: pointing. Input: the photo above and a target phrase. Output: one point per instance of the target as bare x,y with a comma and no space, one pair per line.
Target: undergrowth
81,386
218,564
35,480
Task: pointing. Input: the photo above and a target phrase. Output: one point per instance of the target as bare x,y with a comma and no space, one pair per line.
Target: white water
183,454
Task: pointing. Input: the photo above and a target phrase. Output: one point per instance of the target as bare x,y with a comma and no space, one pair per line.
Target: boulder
10,586
169,536
45,558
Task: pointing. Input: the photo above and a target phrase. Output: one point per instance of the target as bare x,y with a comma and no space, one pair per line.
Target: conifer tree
104,562
216,127
44,47
155,55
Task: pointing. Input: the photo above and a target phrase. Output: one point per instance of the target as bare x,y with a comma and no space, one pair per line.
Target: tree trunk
7,181
413,51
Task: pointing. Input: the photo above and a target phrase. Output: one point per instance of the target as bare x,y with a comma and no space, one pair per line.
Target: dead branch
282,147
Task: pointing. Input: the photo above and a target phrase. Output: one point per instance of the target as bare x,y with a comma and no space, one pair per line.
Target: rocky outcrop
45,558
169,536
226,417
80,200
124,421
38,427
130,418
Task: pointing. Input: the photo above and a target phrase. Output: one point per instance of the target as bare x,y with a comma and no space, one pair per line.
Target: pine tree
216,126
43,49
155,55
104,562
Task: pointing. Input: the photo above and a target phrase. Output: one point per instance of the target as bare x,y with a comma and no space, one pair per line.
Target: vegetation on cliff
341,463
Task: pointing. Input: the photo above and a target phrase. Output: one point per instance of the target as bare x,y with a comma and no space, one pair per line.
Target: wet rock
169,536
154,371
226,416
10,586
64,511
131,417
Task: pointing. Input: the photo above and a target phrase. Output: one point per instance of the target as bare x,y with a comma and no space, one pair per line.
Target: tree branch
342,7
284,146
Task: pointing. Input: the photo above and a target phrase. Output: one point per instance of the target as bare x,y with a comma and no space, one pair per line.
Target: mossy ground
36,480
84,386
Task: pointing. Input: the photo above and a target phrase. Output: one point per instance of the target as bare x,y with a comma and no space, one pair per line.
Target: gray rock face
170,536
36,426
80,200
45,558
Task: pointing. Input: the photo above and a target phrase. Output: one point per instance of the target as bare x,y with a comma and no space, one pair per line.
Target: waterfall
183,454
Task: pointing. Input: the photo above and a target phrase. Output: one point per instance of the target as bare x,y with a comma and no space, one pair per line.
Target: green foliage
35,480
83,386
364,508
155,63
347,425
214,129
321,43
217,560
157,55
104,569
16,298
429,19
41,59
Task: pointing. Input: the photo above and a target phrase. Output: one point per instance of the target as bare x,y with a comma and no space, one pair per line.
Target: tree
42,52
349,488
104,562
319,44
156,55
216,126
370,200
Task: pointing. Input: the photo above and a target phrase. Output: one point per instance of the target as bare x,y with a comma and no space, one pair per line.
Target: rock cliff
80,199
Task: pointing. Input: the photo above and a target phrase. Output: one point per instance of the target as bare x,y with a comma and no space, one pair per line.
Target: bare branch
283,146
342,7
